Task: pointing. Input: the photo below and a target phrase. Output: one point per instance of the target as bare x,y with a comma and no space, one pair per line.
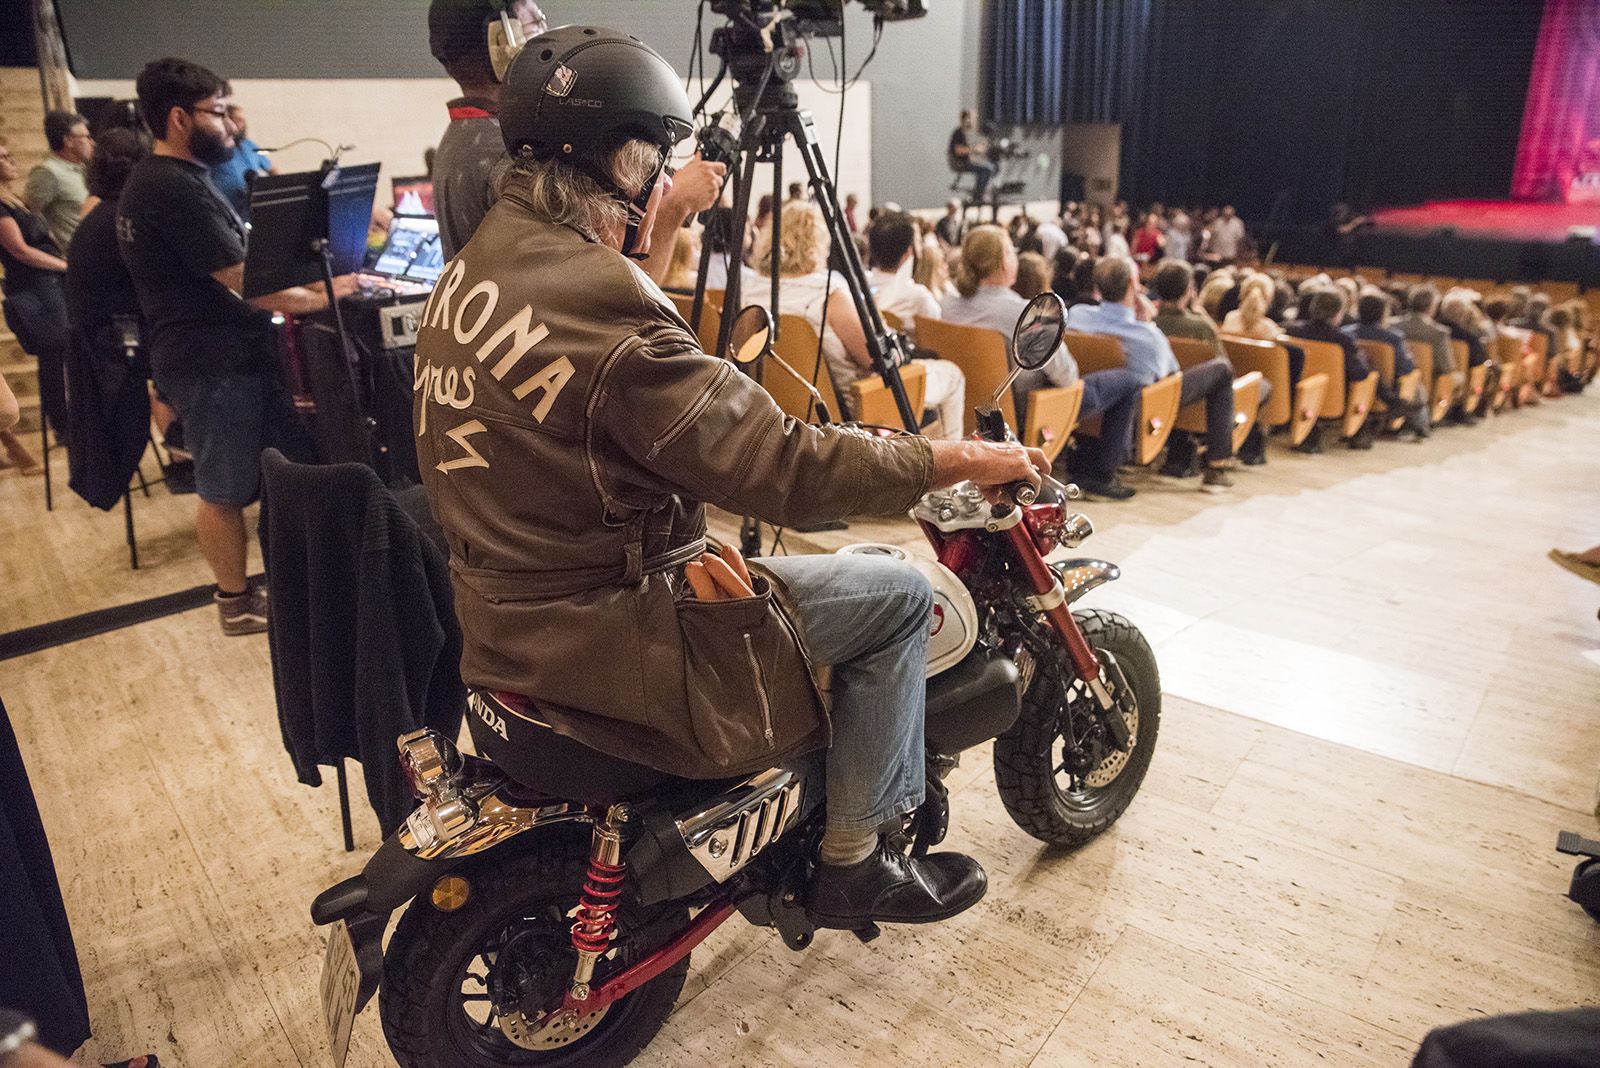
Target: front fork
1050,599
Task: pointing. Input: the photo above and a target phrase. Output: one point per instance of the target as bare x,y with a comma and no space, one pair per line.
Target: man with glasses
211,351
55,188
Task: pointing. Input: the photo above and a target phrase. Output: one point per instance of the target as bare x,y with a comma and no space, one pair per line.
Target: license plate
341,985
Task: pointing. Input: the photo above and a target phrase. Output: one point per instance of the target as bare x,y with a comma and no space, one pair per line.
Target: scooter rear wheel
445,974
1032,759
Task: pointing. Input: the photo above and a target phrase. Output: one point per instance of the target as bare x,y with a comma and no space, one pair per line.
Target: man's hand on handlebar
994,467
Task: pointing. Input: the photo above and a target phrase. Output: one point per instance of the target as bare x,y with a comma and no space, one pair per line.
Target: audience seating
1296,409
710,316
1246,392
1476,376
1348,402
981,354
1442,385
1382,358
1158,402
892,321
873,403
796,344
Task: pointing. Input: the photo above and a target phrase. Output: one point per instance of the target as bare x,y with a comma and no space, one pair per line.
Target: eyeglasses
219,112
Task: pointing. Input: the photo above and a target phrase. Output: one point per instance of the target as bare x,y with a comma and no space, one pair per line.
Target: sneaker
890,887
243,614
1216,480
1113,490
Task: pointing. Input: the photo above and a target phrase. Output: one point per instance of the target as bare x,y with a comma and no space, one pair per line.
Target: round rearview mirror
751,337
1039,331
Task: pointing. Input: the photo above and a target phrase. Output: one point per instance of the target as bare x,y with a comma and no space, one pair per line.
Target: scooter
553,895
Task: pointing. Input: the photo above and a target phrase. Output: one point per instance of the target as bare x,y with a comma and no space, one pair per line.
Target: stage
1487,240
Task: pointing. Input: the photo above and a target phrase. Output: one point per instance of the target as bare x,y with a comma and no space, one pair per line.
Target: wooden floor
1378,716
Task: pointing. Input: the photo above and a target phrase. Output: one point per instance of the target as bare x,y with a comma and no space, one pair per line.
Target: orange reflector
450,893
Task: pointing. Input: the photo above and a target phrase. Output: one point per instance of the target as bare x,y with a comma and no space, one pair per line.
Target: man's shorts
228,420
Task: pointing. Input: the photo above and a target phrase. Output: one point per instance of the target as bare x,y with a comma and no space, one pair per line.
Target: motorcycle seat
514,737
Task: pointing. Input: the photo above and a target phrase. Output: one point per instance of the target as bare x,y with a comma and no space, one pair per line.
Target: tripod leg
883,348
733,293
127,523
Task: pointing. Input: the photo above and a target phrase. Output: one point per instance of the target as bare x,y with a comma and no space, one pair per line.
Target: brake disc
549,1032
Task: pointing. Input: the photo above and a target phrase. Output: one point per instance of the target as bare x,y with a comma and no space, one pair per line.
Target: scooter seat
525,747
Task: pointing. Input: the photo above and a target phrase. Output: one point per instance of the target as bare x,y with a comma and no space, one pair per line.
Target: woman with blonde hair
822,298
983,278
1250,318
1218,284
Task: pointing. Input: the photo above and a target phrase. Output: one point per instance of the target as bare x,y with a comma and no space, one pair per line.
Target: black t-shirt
959,140
19,275
98,285
174,230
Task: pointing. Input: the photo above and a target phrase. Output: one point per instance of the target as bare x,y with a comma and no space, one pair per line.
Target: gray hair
566,196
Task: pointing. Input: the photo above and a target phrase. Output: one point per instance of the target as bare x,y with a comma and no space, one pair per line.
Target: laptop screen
413,196
412,252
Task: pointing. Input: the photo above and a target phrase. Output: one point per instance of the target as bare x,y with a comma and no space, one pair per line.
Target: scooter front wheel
460,988
1058,776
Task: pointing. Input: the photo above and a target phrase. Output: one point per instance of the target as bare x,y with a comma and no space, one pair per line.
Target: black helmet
577,92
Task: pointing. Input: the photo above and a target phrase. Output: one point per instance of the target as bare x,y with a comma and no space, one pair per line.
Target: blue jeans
868,617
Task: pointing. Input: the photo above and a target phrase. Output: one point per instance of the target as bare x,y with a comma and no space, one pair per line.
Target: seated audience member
931,269
891,238
1350,289
209,348
1061,272
949,227
1082,282
1033,275
1178,315
1148,355
34,307
1218,284
821,297
1418,324
1052,239
1117,238
683,267
1459,313
233,176
1567,356
1321,312
1372,319
984,297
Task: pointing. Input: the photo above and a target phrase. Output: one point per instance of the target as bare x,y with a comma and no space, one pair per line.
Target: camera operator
210,350
570,468
471,148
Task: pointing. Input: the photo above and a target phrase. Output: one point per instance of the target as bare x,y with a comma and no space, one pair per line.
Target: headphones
506,38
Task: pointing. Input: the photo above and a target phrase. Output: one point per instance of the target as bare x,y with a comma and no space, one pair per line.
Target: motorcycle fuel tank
954,630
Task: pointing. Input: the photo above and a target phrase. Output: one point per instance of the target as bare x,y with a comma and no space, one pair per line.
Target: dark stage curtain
1561,125
1281,107
1057,61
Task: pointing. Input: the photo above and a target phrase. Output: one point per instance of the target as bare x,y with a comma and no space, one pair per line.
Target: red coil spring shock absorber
591,933
597,905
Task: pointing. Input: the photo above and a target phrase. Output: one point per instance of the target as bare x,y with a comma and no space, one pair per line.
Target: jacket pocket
749,692
691,413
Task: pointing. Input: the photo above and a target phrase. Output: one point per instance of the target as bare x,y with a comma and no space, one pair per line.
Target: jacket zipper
761,688
680,424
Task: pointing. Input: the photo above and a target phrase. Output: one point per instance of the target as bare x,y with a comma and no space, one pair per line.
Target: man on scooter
570,433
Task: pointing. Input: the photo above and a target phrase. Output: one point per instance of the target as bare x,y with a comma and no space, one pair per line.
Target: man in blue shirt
1372,324
1149,357
232,177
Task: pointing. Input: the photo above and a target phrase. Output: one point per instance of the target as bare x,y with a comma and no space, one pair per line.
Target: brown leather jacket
568,430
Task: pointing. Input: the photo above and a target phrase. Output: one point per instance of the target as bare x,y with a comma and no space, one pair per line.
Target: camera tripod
770,116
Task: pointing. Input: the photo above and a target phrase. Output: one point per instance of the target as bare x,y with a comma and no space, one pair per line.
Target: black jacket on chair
364,640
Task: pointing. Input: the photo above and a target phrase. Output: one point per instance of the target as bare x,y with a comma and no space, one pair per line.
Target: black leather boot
890,887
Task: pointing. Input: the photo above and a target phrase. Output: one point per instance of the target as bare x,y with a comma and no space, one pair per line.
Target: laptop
412,258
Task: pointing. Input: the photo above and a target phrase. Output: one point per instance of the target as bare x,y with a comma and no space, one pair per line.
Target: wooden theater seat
874,403
981,355
1441,393
710,316
1158,402
1510,349
1476,377
1246,392
1344,401
797,345
1382,357
1296,409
